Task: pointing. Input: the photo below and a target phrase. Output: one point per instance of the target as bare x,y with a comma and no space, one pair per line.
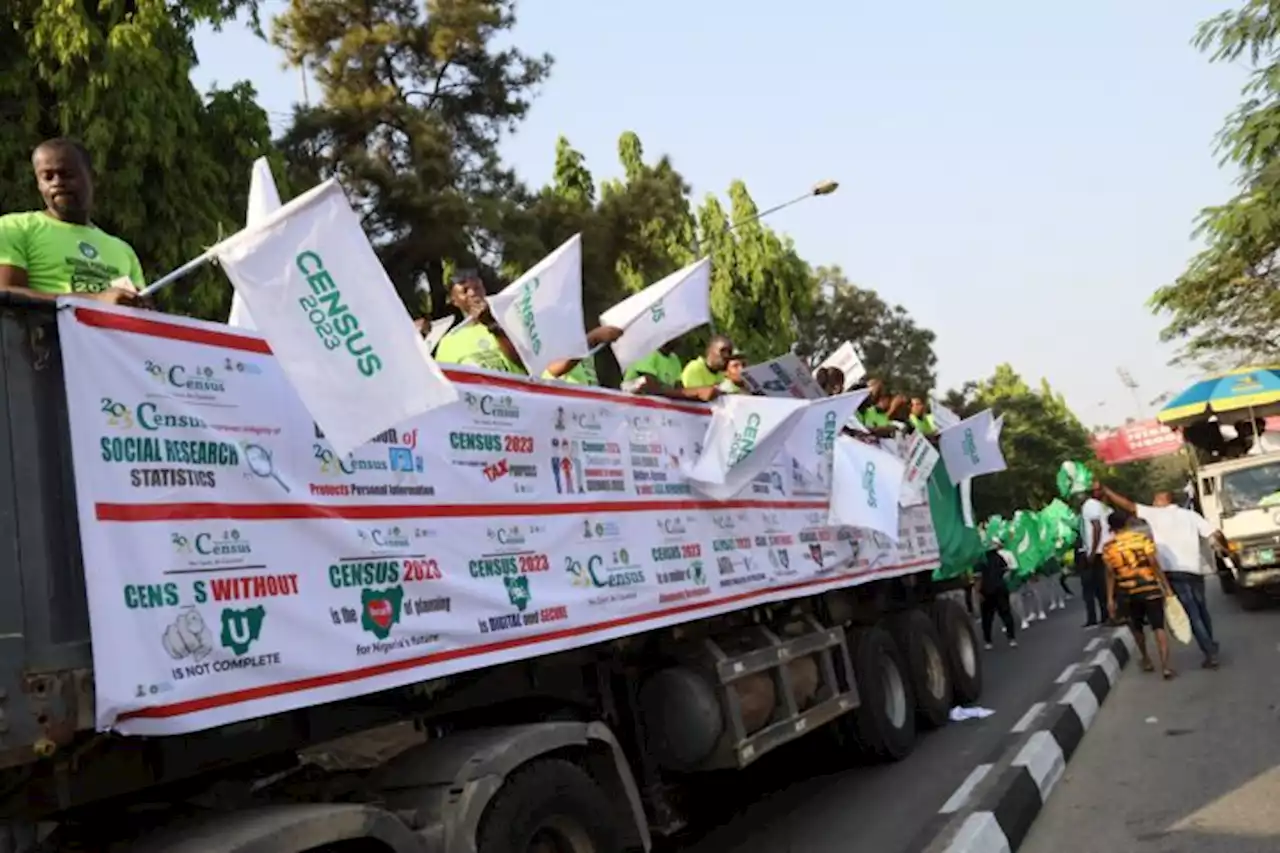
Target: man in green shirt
920,418
480,342
59,251
707,370
662,365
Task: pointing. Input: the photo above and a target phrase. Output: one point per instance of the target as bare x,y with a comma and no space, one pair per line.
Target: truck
593,748
1241,497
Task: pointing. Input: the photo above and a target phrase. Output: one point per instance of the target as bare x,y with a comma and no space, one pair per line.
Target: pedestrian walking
1094,535
1136,587
994,596
1179,534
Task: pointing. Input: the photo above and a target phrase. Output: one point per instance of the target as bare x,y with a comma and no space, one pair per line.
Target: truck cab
1241,497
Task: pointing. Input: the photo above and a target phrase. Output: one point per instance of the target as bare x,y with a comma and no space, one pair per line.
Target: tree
413,109
1226,305
892,346
173,166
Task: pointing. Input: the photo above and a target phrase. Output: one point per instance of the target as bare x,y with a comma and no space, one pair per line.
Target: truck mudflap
443,787
286,829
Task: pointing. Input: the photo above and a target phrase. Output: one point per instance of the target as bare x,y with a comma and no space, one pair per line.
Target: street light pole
826,187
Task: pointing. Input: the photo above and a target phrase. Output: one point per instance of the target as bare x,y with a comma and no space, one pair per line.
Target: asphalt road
1187,766
799,800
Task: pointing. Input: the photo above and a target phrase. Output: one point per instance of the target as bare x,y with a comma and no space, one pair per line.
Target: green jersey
475,346
583,373
61,257
661,366
697,375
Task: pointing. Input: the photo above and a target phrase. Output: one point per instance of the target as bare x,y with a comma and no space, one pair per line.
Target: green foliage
893,347
172,165
1227,303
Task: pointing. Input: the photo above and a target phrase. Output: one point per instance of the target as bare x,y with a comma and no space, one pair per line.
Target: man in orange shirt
1133,570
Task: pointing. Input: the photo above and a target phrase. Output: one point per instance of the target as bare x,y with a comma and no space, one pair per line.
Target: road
1188,765
798,800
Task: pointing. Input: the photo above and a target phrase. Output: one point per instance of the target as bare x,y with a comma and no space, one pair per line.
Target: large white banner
237,566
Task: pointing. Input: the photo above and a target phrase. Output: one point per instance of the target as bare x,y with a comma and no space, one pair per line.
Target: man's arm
1116,499
14,280
1111,590
1096,539
596,337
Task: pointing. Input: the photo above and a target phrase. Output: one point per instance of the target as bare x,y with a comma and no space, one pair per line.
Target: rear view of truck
309,652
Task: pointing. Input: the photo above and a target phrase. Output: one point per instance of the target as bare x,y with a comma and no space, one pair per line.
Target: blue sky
1019,175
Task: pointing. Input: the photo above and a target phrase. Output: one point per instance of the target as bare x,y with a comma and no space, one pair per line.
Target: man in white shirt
1094,533
1178,534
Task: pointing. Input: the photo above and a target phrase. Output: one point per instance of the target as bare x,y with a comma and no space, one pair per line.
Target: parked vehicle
1241,497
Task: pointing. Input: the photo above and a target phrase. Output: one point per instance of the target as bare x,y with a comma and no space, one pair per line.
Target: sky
1020,176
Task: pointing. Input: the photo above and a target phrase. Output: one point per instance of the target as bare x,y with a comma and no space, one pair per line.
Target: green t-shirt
872,417
476,346
661,366
924,425
583,373
697,375
728,386
60,257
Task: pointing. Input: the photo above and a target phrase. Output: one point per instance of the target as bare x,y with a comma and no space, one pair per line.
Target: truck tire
918,640
883,726
960,647
550,806
1228,582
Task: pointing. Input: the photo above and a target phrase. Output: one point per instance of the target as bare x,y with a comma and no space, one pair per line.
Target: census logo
600,529
508,535
723,522
184,379
492,406
672,526
385,538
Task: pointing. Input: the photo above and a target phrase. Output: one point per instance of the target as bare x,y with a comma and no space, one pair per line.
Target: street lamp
826,187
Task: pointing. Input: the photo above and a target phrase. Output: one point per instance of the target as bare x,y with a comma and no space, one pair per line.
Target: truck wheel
960,646
1228,582
917,639
883,726
550,806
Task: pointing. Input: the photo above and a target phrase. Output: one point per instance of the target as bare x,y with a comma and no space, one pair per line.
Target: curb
993,809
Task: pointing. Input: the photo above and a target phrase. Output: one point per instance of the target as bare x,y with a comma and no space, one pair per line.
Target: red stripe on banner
159,329
266,691
281,512
137,325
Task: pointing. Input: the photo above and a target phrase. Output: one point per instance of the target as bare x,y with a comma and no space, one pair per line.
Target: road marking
1106,659
980,833
961,796
1081,698
1067,673
1093,644
1028,718
1044,761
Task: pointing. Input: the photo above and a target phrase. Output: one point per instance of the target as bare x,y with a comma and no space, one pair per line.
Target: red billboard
1134,441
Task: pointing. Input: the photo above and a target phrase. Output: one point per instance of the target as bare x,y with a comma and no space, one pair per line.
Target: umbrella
1246,389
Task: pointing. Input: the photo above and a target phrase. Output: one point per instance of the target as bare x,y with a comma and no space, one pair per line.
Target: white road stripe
961,796
1093,644
1067,673
1028,718
1044,761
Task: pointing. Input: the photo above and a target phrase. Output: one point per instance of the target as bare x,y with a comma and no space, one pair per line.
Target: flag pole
181,272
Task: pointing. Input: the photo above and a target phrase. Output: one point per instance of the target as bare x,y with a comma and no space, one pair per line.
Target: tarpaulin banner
1134,441
237,566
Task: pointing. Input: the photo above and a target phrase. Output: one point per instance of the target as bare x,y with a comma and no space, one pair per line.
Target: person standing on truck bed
1134,571
707,370
58,251
480,342
1178,533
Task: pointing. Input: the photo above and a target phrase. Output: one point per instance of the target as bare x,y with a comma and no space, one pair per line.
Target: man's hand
116,296
603,335
706,394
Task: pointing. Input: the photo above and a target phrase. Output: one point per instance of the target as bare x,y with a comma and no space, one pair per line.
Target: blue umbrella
1240,390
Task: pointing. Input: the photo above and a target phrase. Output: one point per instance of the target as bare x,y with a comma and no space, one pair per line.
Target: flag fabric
971,448
866,488
920,457
744,436
541,311
943,418
333,319
264,198
784,376
818,428
661,312
847,361
438,329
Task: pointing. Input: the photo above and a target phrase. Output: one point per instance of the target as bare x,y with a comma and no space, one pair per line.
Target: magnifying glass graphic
258,458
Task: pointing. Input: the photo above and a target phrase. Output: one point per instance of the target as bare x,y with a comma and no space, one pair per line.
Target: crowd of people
1131,559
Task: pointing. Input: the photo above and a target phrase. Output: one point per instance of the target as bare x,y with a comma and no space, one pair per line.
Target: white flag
438,329
334,321
784,376
867,487
661,312
744,436
817,430
971,448
943,418
264,198
541,311
848,362
920,459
